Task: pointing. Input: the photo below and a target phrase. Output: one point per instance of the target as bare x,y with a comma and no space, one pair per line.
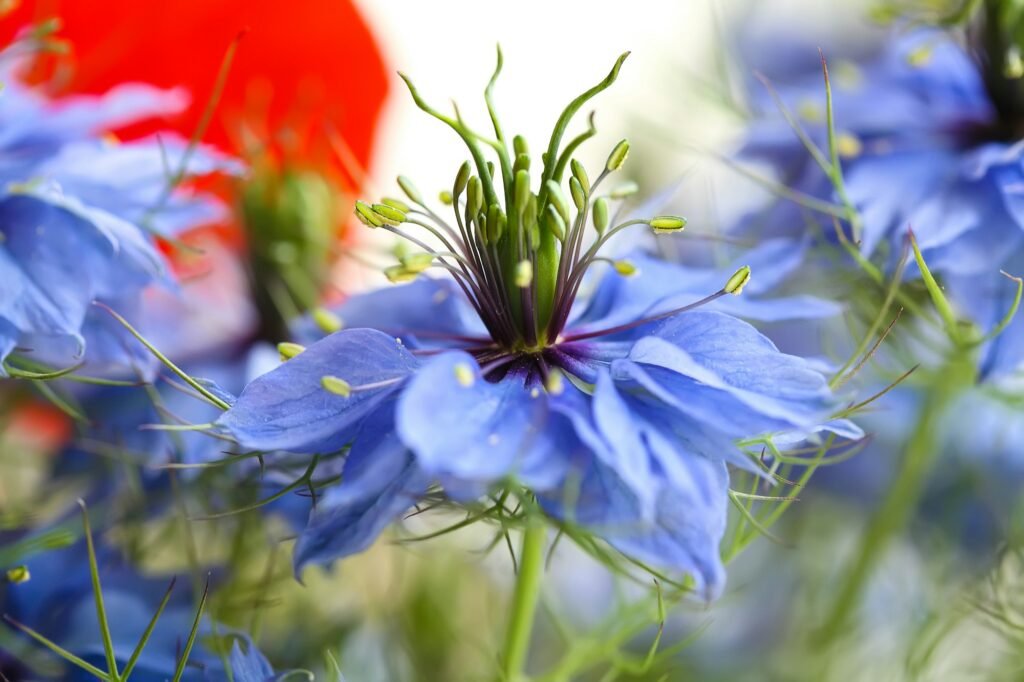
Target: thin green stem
524,601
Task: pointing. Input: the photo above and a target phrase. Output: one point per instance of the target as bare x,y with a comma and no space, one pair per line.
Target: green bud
601,215
396,204
522,190
327,321
522,163
336,385
558,200
579,195
618,156
417,262
555,223
288,350
737,281
624,267
461,178
580,173
667,223
445,197
18,575
398,274
519,145
474,196
626,189
410,190
524,274
390,215
367,216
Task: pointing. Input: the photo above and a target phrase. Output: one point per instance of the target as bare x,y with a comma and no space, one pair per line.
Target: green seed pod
524,274
410,190
445,197
522,163
579,195
618,156
557,199
580,173
327,321
461,178
519,145
397,204
522,190
626,189
336,385
474,196
601,215
555,223
288,350
737,281
667,223
367,216
391,216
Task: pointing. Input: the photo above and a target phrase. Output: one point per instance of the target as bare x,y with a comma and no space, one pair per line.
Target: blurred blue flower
922,146
633,444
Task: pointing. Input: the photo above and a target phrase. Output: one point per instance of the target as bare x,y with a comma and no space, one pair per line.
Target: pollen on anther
464,374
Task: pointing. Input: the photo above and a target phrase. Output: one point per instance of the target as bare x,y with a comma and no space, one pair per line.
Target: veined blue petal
289,409
250,665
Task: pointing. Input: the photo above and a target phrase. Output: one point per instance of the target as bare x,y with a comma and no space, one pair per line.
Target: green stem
901,500
524,601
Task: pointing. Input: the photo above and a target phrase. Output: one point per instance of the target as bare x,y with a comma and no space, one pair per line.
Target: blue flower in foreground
619,413
73,208
924,144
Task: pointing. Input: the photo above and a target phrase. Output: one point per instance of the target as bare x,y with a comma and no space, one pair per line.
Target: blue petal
249,666
380,480
463,426
288,408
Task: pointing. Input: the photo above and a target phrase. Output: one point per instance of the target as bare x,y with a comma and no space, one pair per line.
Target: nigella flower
619,412
75,211
928,135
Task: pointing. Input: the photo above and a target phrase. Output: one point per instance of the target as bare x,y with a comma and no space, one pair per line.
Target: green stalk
901,500
524,601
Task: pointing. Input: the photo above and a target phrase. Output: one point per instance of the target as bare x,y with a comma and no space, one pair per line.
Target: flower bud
327,321
390,215
524,274
336,385
601,215
626,189
410,190
367,216
557,199
288,350
667,223
461,178
618,156
579,195
580,173
737,281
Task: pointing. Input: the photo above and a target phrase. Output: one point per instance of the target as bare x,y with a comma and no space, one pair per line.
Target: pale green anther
327,321
580,173
417,262
288,350
626,189
519,145
445,197
624,267
462,178
336,385
410,190
522,163
367,216
737,281
555,223
490,169
474,196
18,575
555,383
498,229
667,223
579,195
601,215
464,375
522,190
618,156
398,274
396,204
530,222
558,200
390,215
524,274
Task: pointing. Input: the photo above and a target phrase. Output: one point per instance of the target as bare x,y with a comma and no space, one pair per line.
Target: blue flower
74,215
925,145
618,411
